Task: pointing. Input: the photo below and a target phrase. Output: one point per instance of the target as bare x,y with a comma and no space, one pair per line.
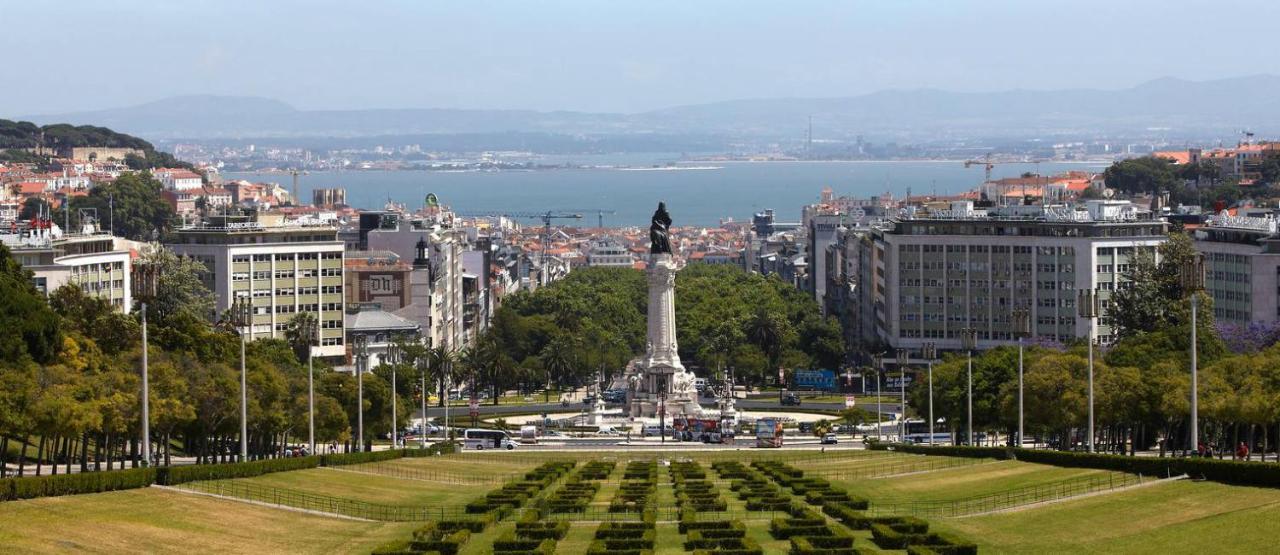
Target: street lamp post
1021,328
969,337
877,361
1088,308
394,354
662,409
930,352
362,358
242,318
309,330
422,367
1192,283
144,287
903,358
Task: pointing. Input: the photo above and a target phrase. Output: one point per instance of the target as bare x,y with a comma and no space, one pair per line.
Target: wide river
719,191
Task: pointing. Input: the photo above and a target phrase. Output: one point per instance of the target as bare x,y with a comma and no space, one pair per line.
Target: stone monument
658,379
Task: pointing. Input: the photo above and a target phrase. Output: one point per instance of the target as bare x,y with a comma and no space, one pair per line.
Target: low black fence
1029,495
323,503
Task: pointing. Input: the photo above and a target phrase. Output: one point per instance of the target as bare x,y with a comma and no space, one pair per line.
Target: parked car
652,430
806,427
829,439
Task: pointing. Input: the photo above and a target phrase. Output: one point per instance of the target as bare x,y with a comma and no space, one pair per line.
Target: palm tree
558,361
440,367
294,336
766,331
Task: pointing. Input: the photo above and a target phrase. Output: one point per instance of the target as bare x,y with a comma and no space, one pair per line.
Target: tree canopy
595,319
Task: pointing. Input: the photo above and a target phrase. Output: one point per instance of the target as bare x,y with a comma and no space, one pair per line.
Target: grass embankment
963,482
369,488
153,520
1179,517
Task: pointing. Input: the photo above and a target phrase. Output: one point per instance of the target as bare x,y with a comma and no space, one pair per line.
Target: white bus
487,439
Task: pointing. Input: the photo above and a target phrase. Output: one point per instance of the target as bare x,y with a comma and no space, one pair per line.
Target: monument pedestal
659,375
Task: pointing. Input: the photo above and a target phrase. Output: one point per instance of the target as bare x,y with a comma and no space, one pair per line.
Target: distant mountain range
1183,107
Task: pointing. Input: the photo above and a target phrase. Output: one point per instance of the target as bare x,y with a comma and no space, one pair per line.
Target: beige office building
285,269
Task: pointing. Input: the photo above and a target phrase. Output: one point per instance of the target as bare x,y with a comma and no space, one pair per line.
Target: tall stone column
662,351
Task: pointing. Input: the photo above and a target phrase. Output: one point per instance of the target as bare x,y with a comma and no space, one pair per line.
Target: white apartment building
284,269
608,252
177,179
93,261
935,274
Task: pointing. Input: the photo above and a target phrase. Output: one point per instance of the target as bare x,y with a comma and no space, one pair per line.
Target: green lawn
962,482
1173,517
383,490
1179,517
155,521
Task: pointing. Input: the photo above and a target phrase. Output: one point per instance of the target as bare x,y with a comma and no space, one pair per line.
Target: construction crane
597,211
985,162
546,217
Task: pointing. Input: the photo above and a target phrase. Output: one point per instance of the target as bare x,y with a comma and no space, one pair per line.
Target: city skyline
605,58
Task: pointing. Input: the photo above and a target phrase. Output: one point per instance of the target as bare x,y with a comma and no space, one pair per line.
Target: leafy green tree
132,205
31,329
180,290
96,318
823,342
1149,174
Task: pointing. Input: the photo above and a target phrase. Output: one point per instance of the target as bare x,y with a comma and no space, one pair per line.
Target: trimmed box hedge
509,544
73,484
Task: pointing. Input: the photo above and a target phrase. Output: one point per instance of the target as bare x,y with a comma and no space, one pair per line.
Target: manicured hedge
511,545
72,484
174,475
542,530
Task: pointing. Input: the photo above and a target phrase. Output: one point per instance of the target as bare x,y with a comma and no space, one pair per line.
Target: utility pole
242,317
1088,309
361,351
904,357
1192,284
144,286
969,337
309,331
1021,329
930,353
393,358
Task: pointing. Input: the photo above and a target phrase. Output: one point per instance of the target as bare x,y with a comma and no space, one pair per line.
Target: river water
696,193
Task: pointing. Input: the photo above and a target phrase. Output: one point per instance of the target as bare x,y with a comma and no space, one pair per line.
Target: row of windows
266,258
1233,277
1227,258
1229,295
105,267
1231,314
982,335
985,249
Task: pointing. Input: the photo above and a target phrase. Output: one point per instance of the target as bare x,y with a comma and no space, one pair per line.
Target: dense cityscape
639,278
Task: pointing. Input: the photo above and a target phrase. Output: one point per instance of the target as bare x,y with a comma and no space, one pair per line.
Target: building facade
1242,267
94,262
937,274
284,270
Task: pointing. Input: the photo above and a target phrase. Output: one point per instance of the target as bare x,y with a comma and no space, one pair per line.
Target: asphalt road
551,408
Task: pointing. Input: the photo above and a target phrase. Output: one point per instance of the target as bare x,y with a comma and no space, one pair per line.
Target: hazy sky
606,55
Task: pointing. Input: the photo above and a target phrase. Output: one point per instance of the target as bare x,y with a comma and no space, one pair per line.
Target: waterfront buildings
283,267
